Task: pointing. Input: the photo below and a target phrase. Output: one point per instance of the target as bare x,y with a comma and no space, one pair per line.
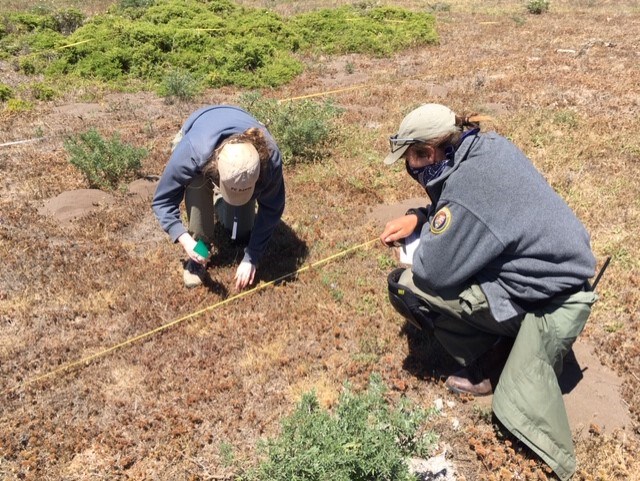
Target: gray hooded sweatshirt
494,219
203,132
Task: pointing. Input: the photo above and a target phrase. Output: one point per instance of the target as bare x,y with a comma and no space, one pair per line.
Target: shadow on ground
285,254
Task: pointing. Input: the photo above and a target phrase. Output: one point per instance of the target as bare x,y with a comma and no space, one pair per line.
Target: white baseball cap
239,169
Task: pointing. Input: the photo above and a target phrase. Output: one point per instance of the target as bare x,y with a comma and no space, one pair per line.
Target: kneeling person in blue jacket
223,163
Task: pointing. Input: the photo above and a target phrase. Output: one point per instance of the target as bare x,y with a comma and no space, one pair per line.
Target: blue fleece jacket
203,132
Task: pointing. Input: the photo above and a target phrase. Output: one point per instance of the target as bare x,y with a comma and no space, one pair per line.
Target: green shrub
23,22
537,6
179,85
103,163
68,20
44,92
365,439
123,4
217,41
16,105
301,128
6,92
379,30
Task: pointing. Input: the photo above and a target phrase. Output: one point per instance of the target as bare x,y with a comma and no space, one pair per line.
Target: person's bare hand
188,243
399,228
244,275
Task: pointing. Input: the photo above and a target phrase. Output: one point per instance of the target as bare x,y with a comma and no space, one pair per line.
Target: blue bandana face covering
424,175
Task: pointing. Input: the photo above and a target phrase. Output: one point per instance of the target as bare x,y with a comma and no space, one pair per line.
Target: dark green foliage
365,439
63,21
538,6
6,92
379,30
23,22
104,163
28,33
42,91
301,128
68,20
141,4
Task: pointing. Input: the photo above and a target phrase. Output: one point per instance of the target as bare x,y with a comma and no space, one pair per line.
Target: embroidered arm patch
441,221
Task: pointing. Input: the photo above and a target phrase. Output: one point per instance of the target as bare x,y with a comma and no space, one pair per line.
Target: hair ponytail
471,120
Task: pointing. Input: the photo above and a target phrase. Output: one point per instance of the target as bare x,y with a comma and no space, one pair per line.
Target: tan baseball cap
239,169
429,121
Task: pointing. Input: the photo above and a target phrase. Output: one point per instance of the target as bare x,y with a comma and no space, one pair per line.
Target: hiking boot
193,274
481,376
465,381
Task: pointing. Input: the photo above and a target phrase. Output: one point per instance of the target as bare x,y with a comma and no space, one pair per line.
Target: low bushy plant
217,41
104,163
6,92
364,439
68,20
17,105
538,6
350,29
43,91
179,85
302,128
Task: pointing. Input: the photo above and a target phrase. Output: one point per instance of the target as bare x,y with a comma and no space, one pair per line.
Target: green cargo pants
204,205
527,399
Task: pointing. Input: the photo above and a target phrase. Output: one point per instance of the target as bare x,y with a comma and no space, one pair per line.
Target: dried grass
164,407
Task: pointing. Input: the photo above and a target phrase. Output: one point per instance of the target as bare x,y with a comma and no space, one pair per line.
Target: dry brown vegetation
565,86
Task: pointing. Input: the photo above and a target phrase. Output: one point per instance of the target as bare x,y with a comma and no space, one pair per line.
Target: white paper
409,247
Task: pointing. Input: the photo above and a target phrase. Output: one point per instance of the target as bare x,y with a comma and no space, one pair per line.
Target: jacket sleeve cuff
250,256
176,230
420,214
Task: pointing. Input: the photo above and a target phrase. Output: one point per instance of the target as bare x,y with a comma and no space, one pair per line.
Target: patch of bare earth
563,85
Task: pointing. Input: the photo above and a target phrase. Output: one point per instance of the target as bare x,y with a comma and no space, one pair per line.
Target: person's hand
188,243
244,275
399,228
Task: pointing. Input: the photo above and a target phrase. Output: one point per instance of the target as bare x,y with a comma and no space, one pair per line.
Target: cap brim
393,157
235,199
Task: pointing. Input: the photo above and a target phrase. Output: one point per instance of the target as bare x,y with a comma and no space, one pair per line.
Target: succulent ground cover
194,400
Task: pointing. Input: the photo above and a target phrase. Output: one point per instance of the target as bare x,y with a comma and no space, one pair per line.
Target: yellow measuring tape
88,359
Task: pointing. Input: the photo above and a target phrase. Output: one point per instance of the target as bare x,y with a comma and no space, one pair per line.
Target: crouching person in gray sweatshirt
499,274
223,164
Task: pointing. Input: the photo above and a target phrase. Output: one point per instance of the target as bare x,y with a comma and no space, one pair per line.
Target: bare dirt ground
85,273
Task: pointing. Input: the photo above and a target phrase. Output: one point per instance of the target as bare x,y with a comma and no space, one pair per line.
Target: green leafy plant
217,41
364,439
538,6
104,163
16,105
6,92
379,30
42,91
68,20
301,128
179,85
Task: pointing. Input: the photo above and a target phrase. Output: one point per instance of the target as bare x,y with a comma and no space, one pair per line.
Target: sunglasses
396,143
